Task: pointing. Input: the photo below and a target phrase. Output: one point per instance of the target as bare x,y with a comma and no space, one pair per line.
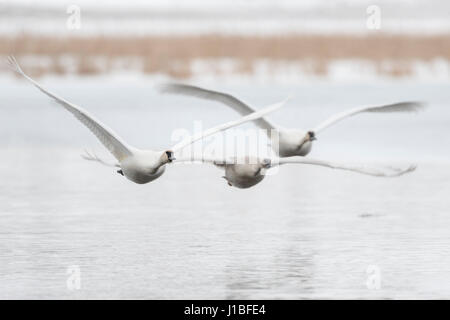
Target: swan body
243,175
293,142
144,166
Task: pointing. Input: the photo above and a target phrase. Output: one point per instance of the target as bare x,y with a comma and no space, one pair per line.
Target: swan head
266,163
307,138
310,136
305,144
167,156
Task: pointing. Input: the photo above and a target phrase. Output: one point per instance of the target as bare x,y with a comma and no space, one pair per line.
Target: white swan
292,142
139,166
246,172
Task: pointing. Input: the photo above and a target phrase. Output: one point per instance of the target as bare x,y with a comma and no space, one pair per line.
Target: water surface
305,232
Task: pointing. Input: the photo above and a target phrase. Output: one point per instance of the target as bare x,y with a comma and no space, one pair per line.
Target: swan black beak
266,163
120,171
312,136
170,156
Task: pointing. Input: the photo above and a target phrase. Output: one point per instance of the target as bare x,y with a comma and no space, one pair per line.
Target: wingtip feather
163,87
399,172
413,106
176,88
13,64
405,106
277,105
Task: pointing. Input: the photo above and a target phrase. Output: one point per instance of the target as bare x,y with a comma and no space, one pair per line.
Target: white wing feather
227,125
93,157
224,98
368,170
408,106
218,161
373,171
107,137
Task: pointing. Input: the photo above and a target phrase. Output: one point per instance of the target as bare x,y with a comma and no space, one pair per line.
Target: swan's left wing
227,125
222,97
364,169
409,106
107,137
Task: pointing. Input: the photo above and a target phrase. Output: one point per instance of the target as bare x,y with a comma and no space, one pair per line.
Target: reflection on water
302,233
172,239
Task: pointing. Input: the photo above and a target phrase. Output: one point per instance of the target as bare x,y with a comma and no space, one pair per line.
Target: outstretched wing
227,125
218,161
107,137
408,106
224,98
373,171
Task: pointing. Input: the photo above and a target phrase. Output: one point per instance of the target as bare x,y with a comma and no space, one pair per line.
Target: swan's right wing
407,106
369,170
252,116
224,98
107,137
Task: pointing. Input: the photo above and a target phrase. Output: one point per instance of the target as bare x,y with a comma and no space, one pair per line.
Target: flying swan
248,171
139,166
292,142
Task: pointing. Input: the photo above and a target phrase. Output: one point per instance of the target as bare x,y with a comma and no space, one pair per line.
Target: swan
245,172
292,142
139,166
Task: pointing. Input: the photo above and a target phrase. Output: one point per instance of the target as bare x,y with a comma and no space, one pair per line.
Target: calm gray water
305,232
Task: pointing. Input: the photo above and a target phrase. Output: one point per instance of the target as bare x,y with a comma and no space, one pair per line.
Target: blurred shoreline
183,57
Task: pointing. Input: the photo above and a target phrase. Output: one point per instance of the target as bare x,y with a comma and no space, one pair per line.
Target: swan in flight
292,142
248,171
139,166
